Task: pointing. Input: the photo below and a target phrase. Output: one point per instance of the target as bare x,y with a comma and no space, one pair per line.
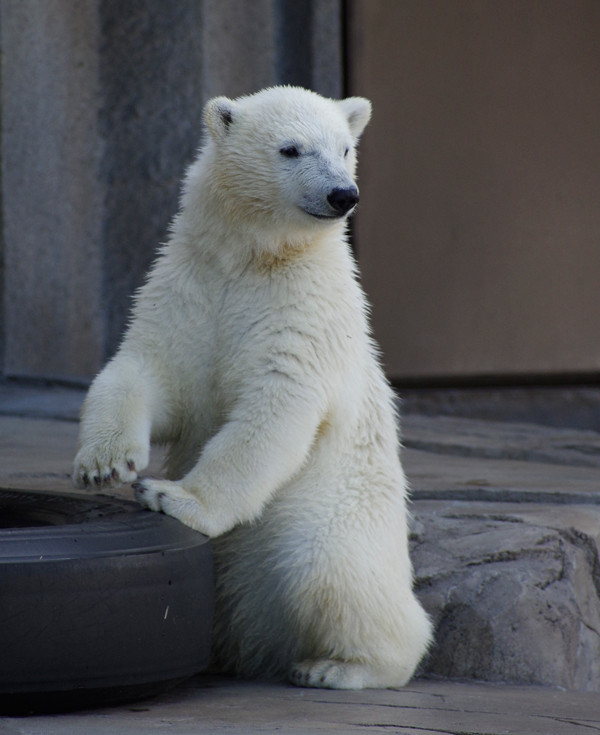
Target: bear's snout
343,200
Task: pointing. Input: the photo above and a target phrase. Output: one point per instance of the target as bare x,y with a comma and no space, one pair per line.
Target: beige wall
479,225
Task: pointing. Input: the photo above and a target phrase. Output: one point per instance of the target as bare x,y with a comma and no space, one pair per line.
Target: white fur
249,353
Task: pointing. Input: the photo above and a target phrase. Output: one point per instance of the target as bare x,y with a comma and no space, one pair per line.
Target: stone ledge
577,406
468,459
35,399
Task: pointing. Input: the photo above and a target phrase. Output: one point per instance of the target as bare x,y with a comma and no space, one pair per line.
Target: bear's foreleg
115,428
264,443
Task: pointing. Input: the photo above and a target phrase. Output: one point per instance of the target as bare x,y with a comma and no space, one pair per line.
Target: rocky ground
505,542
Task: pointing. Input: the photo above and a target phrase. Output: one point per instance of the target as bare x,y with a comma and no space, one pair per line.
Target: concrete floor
37,441
206,706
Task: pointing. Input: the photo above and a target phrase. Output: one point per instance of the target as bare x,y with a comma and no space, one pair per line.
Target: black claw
131,465
115,474
86,480
139,488
97,481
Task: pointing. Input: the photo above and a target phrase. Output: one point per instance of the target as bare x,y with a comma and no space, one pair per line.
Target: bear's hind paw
329,674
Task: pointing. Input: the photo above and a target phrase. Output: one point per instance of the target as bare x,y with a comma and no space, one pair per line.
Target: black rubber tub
101,601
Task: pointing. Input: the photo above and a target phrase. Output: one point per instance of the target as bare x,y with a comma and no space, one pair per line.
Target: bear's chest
302,324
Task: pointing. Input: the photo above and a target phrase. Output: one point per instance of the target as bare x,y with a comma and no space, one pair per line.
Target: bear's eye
346,151
289,151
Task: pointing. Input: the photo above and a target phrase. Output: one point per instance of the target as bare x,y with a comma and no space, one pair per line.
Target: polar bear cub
249,354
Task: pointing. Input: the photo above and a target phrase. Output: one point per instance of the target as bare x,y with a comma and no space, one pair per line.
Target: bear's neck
215,232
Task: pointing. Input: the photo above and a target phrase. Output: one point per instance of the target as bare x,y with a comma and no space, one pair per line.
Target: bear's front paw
108,466
170,498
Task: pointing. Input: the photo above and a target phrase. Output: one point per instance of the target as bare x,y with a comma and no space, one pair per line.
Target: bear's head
284,159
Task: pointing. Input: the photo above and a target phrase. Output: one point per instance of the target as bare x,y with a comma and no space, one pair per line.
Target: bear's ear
358,113
219,114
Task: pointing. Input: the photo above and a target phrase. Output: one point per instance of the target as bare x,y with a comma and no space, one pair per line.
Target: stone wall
101,113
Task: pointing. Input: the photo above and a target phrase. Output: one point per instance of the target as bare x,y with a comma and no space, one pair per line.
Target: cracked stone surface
212,706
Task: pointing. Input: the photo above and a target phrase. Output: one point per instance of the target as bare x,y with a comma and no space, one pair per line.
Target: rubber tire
101,601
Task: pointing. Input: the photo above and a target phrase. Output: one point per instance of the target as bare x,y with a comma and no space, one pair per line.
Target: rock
505,547
513,589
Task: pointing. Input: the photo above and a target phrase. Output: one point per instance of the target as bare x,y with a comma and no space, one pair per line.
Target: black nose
342,200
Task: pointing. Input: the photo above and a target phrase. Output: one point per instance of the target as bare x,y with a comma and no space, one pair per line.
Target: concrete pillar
51,189
101,113
150,120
